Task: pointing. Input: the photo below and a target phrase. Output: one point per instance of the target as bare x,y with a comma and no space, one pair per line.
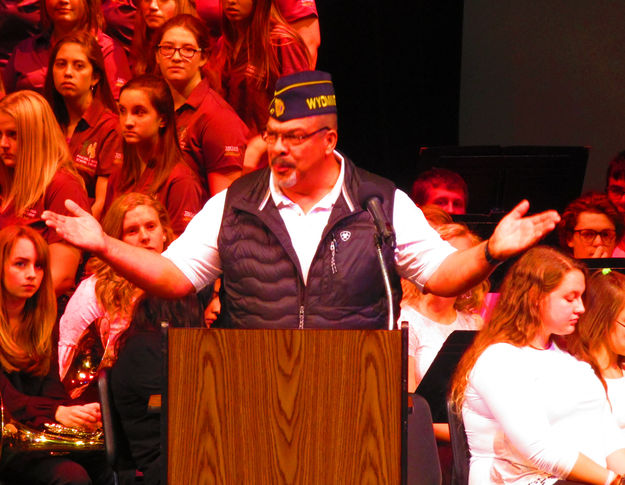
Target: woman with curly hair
590,227
105,298
533,413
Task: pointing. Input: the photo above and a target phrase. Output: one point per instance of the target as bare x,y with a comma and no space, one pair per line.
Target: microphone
370,199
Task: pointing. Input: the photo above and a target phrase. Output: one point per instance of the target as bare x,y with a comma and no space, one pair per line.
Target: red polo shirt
181,194
291,10
28,64
64,185
96,145
211,133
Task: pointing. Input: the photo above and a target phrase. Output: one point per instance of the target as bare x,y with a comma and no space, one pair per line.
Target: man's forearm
147,269
460,272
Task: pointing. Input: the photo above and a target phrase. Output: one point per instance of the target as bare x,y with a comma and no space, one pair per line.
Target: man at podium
294,242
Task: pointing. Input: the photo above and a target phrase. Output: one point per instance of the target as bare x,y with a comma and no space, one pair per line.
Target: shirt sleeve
81,310
501,380
293,10
217,141
110,150
115,62
195,252
64,186
183,199
420,250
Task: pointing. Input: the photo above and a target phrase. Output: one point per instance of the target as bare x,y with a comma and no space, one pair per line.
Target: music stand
435,384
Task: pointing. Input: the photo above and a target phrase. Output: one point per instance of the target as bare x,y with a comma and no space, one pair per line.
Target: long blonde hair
516,318
30,348
41,151
115,293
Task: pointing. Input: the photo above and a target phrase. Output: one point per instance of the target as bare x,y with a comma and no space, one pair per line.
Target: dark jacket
263,285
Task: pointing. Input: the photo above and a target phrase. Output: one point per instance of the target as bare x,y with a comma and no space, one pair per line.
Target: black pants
72,469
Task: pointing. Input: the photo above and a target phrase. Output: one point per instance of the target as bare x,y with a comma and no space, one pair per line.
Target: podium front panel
284,407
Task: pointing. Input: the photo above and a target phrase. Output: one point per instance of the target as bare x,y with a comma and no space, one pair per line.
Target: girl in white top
533,413
599,337
433,318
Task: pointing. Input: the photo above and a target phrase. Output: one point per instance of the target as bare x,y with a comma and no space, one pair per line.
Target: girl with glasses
590,227
152,160
209,130
150,16
81,98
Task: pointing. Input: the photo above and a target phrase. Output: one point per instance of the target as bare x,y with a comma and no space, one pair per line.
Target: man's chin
287,181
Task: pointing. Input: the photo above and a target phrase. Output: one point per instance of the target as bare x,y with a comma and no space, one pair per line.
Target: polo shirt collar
327,202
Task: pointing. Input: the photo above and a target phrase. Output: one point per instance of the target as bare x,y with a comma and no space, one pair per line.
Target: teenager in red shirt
152,160
37,174
209,130
80,96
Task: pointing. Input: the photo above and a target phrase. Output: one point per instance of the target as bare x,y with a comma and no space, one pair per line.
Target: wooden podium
285,407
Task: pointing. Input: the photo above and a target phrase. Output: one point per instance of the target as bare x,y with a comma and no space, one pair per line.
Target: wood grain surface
284,407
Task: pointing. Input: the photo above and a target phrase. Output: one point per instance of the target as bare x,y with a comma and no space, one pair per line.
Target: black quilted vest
262,280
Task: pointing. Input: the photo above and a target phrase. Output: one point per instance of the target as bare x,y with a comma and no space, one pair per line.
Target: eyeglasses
289,139
589,235
620,323
616,191
185,52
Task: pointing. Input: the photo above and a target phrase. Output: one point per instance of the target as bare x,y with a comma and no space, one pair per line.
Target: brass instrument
56,439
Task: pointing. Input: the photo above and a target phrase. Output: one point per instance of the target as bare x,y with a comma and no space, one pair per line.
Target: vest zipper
301,317
333,256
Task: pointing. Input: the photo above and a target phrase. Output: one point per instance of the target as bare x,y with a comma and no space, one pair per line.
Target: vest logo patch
345,235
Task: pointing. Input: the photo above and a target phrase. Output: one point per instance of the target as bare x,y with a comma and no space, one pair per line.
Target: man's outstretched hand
516,233
80,229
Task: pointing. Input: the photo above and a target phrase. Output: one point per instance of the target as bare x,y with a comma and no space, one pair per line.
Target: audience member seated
443,188
153,162
599,336
31,391
300,14
532,412
137,375
105,299
80,96
209,131
257,47
37,174
151,16
590,227
28,64
433,318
